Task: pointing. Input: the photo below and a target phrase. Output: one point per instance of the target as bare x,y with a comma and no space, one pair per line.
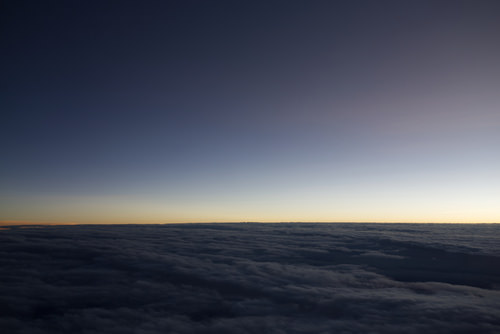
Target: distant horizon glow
275,112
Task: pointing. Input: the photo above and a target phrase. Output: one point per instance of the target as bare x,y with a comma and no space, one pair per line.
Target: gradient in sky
176,111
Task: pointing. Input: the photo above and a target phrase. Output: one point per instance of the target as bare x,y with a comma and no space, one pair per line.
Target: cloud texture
251,278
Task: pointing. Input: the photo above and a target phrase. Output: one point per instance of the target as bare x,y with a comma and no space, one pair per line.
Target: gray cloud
250,278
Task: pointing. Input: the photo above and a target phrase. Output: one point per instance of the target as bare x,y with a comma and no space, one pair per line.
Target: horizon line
7,223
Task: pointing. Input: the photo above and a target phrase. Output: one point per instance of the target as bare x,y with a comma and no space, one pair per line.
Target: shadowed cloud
248,278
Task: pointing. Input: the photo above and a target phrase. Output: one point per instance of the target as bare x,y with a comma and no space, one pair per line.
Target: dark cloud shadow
249,278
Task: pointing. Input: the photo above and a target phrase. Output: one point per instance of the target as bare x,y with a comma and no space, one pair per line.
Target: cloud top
249,278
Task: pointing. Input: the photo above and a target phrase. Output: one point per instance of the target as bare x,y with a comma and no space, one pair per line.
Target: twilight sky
176,111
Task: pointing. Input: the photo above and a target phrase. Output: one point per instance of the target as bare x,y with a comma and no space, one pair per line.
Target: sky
216,111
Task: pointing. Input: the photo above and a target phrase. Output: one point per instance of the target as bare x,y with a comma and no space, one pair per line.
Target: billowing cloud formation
251,278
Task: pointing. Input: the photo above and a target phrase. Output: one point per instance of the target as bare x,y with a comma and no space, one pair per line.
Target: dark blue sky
250,110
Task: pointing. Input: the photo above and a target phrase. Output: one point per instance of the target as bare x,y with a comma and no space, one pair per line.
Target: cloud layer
251,278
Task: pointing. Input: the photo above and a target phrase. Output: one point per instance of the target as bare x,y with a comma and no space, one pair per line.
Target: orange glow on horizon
6,223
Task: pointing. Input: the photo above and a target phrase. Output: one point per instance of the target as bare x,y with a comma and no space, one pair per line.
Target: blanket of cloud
251,278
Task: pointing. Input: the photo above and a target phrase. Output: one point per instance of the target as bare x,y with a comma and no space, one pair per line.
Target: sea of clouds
251,278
